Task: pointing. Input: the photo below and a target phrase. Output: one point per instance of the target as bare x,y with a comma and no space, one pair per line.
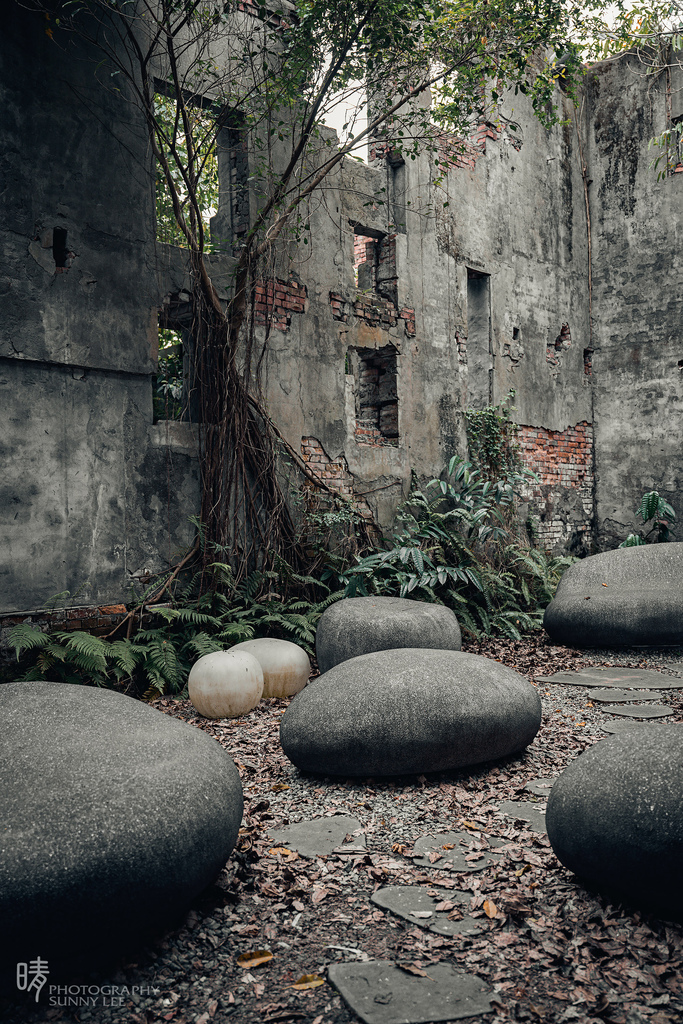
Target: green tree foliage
168,386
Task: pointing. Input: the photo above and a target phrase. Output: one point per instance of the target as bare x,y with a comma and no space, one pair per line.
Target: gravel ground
315,912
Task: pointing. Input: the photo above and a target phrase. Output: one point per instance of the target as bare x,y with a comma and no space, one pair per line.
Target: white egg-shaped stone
285,665
225,684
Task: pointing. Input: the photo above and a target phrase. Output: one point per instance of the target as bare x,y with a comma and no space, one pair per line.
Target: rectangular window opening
374,263
203,122
168,396
376,386
479,360
60,250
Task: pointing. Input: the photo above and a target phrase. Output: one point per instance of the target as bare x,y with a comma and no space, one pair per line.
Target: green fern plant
657,512
156,661
455,546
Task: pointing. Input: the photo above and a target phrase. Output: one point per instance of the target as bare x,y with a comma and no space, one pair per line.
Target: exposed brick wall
334,473
459,152
562,342
377,397
96,619
461,345
373,310
275,301
563,497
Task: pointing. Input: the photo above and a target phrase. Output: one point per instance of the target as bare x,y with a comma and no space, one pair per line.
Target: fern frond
25,637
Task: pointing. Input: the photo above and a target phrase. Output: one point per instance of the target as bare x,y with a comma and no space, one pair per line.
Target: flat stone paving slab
638,710
540,787
615,676
319,837
611,726
527,810
380,993
613,695
413,903
454,859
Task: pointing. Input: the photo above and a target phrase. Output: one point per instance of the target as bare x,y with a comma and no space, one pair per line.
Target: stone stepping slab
319,837
454,859
531,811
615,676
639,710
614,726
413,903
379,992
617,696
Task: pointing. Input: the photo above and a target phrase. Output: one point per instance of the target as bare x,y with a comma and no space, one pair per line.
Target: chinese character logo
37,971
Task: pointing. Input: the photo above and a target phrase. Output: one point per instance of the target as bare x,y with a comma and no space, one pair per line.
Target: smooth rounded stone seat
361,625
641,603
114,818
285,665
409,711
615,817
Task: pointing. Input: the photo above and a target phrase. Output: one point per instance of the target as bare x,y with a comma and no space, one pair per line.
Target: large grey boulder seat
114,818
615,817
618,598
409,710
361,625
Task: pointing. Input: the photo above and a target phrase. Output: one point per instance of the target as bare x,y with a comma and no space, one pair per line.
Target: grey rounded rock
114,818
409,710
615,817
361,625
641,603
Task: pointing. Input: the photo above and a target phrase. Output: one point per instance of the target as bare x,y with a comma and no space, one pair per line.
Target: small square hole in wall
375,373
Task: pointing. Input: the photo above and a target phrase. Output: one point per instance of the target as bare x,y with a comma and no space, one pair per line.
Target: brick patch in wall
464,152
374,310
562,342
376,386
275,301
461,345
334,473
563,497
96,619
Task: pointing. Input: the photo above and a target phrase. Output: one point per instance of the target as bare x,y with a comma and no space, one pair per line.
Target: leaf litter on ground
551,950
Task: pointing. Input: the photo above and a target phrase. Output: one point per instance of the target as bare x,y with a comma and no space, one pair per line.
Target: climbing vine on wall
492,438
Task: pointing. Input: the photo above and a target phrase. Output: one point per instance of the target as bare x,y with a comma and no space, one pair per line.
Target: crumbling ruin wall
424,300
637,224
92,494
415,299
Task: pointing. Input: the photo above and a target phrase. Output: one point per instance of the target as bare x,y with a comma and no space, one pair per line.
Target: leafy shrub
456,547
655,510
158,660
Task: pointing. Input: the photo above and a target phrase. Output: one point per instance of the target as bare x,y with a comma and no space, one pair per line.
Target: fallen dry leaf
307,981
490,908
254,958
411,969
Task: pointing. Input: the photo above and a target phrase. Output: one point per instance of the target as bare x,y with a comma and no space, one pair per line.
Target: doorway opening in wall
479,359
375,374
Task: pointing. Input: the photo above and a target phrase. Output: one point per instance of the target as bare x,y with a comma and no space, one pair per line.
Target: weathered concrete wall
461,304
90,491
637,225
400,314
